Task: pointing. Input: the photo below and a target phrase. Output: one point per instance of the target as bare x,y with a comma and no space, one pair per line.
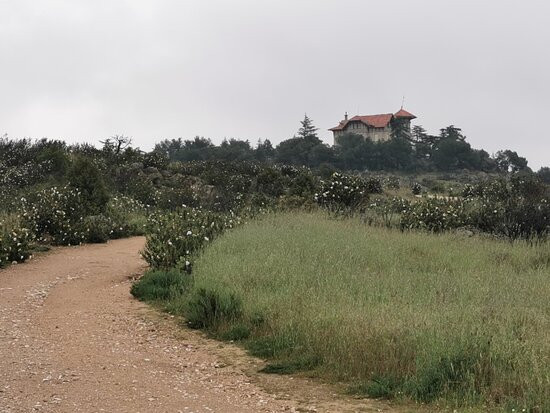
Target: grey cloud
84,70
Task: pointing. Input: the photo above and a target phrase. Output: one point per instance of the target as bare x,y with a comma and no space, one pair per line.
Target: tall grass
437,318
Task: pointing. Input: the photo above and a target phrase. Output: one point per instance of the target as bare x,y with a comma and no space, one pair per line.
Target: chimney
346,116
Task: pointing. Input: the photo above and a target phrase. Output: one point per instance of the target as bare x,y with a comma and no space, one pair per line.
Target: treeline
416,151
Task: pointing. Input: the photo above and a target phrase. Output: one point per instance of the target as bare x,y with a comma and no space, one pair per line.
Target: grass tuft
210,308
161,285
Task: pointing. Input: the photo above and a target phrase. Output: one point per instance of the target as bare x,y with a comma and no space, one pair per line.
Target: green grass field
440,319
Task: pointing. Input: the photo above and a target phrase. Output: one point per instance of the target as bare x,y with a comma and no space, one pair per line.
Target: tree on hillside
423,143
399,129
510,161
198,149
308,151
483,161
304,149
307,128
451,151
452,132
396,153
321,154
116,144
264,151
235,150
352,151
544,174
169,147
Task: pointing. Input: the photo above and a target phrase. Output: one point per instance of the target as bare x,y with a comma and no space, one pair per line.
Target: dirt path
72,339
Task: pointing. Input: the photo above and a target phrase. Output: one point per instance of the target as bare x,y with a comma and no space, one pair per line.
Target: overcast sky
86,70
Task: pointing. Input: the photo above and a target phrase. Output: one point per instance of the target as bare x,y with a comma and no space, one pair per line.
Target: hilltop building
374,127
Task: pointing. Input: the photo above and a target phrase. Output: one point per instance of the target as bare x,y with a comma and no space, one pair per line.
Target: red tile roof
341,126
375,121
404,114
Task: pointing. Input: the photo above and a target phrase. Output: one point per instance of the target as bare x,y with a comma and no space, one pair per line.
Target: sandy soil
72,339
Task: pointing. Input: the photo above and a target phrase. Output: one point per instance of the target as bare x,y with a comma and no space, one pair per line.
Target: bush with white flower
392,182
416,188
515,208
59,215
343,193
435,215
126,217
15,240
387,210
55,215
174,237
374,185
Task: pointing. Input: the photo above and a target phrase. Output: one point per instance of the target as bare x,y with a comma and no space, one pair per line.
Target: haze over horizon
83,71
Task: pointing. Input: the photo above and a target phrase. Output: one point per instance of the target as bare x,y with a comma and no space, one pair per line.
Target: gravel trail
72,339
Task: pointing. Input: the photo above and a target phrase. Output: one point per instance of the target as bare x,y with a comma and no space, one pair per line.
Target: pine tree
399,129
307,129
424,143
452,132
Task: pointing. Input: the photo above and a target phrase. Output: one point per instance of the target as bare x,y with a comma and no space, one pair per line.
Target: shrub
141,188
171,198
96,228
55,214
303,184
325,170
469,191
416,189
59,215
161,285
86,178
155,160
270,181
518,208
435,215
261,201
15,240
374,185
126,217
24,162
387,210
393,182
173,237
342,193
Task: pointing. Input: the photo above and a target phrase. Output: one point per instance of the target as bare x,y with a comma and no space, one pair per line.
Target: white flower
189,233
206,239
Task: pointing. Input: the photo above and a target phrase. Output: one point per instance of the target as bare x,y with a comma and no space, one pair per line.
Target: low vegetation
446,319
372,286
